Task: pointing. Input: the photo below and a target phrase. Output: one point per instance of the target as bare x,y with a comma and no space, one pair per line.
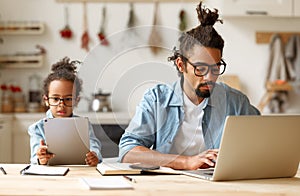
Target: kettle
100,103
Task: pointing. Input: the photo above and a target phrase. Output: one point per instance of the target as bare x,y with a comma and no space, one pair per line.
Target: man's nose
209,75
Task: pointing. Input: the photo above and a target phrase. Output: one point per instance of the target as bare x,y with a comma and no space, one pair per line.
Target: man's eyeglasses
54,101
201,69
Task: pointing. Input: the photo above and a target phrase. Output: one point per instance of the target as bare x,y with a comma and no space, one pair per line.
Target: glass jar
7,104
35,95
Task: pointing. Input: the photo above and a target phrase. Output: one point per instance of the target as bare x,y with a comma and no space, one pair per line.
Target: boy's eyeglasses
201,69
55,101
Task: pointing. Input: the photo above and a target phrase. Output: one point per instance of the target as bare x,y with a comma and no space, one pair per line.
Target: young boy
61,93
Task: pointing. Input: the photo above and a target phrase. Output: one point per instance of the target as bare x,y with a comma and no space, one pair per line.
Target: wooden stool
272,88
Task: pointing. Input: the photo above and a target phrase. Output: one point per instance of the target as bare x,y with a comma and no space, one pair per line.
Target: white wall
124,69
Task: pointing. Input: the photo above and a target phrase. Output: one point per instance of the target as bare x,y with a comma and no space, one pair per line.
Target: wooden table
15,184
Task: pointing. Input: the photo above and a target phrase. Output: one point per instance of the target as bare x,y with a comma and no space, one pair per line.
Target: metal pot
100,103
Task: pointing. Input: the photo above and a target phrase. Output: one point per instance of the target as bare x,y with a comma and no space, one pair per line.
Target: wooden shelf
21,28
21,61
265,37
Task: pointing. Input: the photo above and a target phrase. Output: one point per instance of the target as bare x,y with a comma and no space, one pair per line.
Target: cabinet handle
253,12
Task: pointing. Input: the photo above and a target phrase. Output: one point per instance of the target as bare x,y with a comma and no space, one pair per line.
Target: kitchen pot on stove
100,102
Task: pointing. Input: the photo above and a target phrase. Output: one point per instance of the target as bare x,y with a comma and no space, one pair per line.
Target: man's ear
77,101
180,64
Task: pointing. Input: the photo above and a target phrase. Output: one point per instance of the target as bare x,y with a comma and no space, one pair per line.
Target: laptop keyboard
209,172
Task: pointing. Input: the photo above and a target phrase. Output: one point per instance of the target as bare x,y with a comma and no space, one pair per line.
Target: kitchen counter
6,116
15,141
94,117
107,117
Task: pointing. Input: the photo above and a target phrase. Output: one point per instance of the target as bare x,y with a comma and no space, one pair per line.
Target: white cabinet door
297,8
231,8
21,139
6,139
21,143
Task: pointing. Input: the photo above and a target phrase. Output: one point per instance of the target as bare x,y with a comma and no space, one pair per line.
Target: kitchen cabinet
6,138
241,8
297,8
21,140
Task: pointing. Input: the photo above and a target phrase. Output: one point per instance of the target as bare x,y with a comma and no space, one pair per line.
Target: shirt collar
49,114
176,98
218,94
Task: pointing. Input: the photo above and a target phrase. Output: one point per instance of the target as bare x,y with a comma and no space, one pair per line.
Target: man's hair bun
207,17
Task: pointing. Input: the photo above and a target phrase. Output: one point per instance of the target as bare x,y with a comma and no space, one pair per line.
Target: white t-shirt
189,139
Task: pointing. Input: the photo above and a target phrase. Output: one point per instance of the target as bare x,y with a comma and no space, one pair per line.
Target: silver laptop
256,147
68,139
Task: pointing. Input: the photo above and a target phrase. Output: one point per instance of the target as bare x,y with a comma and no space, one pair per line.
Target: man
180,126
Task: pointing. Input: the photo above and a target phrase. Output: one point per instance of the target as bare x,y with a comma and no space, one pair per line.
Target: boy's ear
46,100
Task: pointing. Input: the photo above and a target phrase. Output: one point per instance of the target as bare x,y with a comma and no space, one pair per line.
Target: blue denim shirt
160,114
37,133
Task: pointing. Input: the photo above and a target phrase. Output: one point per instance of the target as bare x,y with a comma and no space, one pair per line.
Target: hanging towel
292,54
277,64
277,70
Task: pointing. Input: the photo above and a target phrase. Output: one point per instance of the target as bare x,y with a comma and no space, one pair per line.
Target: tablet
68,139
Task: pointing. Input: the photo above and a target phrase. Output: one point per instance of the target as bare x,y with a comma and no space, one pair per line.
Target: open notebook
112,167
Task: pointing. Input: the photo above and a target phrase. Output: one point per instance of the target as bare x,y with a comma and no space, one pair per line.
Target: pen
129,178
23,170
3,171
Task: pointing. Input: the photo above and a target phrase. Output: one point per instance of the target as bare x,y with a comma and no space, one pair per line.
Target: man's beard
204,93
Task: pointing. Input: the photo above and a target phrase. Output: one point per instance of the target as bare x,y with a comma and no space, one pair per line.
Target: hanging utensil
130,37
155,38
182,20
131,19
101,33
66,32
85,38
